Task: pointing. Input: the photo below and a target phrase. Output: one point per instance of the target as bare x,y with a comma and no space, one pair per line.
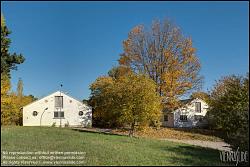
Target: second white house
191,114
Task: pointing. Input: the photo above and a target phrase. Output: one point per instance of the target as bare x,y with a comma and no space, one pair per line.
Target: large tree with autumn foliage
12,102
166,56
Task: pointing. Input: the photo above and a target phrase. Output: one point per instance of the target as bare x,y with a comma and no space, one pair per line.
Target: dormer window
197,106
58,101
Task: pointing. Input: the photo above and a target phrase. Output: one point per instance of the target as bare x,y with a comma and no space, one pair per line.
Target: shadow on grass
192,155
99,131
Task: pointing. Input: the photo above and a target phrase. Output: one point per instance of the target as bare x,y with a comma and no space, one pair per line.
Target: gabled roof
51,94
186,101
183,102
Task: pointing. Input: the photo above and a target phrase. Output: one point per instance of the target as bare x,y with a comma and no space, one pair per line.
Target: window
183,118
197,106
59,101
58,114
80,113
35,113
165,117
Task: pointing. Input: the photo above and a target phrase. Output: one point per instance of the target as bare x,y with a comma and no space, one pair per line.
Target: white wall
190,112
71,108
170,122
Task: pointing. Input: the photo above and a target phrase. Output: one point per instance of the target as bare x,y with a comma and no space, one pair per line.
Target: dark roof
186,101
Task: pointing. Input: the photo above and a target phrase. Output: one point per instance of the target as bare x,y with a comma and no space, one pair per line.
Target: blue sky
75,42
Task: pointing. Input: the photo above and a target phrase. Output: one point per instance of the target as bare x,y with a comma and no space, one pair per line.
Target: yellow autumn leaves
11,103
164,55
129,100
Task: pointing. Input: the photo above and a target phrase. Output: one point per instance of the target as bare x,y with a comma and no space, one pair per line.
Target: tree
201,95
101,96
2,20
128,101
32,97
11,103
166,56
101,102
119,71
20,88
85,101
5,85
11,114
229,109
5,88
8,60
137,102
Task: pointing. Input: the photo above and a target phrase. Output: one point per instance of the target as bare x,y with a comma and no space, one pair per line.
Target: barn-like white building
57,109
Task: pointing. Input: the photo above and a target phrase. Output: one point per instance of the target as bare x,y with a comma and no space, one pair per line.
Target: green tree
229,109
10,104
166,56
85,101
129,101
8,60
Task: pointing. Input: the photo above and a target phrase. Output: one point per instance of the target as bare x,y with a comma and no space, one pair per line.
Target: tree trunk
132,129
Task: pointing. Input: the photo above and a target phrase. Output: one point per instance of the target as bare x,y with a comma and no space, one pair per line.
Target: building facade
57,109
190,115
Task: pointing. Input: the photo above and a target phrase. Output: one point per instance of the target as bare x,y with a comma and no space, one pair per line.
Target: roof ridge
51,94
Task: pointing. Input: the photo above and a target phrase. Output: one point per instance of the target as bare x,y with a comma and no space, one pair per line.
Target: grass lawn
104,149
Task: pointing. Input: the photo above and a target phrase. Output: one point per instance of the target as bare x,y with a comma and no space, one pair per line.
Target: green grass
104,149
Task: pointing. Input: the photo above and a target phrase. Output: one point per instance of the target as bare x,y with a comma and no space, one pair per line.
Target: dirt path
209,144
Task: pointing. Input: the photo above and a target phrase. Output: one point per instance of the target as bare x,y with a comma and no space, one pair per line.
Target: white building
190,115
57,109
